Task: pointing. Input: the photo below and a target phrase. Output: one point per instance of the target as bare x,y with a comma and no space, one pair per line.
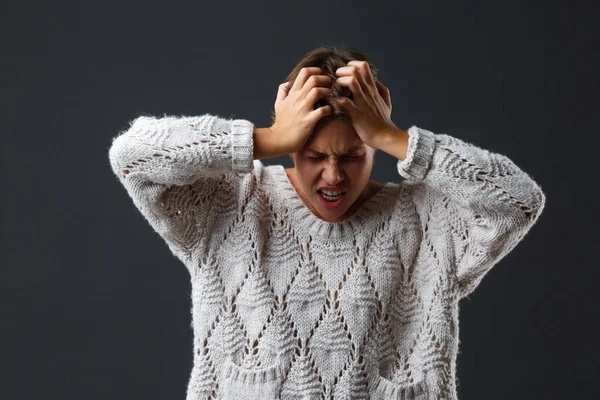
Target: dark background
94,306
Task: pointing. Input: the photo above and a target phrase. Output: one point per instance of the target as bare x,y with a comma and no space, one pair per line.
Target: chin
332,214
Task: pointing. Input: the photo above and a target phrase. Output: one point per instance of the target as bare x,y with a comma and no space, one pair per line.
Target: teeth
331,194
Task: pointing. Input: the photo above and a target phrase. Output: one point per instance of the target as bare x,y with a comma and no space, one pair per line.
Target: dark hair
329,59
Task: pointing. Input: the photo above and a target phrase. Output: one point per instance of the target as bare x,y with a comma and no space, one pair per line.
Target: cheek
358,170
307,173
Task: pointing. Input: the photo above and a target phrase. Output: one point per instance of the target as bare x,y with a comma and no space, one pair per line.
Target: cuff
421,145
242,145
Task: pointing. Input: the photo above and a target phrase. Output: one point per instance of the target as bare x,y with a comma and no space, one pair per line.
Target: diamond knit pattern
285,305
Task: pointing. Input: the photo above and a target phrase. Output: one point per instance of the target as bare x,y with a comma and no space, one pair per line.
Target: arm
267,145
483,198
172,167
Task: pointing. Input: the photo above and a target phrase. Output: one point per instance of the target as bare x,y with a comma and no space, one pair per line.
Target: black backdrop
94,306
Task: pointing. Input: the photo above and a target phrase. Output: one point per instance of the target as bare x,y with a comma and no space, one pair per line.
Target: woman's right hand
295,116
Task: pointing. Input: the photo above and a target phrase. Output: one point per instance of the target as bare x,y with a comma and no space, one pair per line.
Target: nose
332,173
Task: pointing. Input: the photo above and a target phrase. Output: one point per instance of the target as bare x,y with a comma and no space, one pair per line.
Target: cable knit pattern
288,306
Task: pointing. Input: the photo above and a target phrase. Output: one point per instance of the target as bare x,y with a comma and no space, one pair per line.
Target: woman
315,281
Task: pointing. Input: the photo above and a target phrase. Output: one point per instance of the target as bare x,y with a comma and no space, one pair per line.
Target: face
334,159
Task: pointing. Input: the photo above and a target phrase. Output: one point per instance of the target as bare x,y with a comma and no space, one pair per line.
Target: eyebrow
350,150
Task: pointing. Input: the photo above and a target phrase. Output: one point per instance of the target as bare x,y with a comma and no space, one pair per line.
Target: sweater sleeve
479,198
171,167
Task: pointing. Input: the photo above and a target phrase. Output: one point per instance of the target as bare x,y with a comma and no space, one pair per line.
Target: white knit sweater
288,306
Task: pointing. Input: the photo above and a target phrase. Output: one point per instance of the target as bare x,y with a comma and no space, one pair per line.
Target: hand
295,116
371,106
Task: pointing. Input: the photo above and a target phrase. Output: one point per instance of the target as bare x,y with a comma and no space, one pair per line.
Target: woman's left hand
371,107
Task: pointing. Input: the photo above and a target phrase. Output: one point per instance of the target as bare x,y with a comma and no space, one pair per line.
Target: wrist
267,144
394,141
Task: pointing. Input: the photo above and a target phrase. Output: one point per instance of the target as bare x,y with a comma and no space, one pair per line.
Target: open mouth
330,198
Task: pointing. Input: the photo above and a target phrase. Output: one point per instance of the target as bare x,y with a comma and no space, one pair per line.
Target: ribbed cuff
421,145
242,145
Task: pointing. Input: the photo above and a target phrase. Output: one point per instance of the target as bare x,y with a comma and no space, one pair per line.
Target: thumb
348,105
282,92
384,93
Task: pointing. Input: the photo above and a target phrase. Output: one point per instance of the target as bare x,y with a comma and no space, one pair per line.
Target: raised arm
482,198
486,201
172,167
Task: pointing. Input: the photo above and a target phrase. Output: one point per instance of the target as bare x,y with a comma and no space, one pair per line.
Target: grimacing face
334,155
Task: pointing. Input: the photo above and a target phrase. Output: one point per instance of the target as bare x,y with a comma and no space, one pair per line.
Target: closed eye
346,157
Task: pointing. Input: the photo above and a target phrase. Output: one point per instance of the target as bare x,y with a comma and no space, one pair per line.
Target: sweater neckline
309,222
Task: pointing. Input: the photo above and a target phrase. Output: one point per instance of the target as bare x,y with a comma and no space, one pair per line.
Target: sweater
285,305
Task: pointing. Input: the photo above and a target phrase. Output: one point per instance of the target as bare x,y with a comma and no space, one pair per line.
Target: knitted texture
288,306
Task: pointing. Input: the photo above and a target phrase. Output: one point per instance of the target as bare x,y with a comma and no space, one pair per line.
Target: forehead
334,137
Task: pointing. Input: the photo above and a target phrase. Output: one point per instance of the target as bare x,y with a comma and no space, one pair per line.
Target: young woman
314,281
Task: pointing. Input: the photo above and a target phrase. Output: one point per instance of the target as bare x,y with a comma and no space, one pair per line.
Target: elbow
125,147
534,202
515,217
122,147
117,156
523,218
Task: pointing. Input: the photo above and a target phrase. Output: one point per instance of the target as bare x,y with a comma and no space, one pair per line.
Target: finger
349,71
352,82
348,105
303,76
315,94
315,81
385,93
360,89
364,70
282,92
320,112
